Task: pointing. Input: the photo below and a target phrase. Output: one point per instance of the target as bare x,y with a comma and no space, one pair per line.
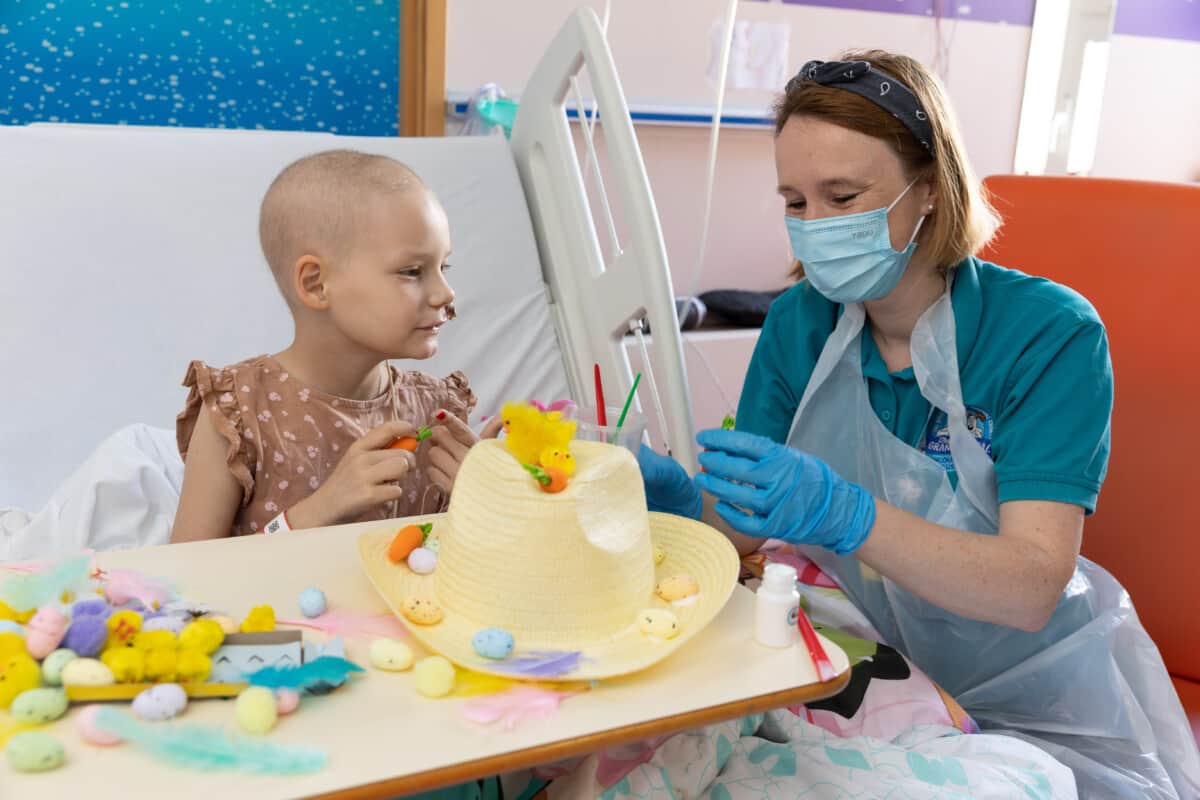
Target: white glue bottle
777,607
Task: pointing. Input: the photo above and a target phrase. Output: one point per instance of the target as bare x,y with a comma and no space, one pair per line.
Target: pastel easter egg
85,726
39,705
434,676
422,561
312,602
255,710
86,636
660,555
493,643
87,672
658,622
391,655
161,702
421,612
677,587
165,622
52,666
286,701
34,751
18,673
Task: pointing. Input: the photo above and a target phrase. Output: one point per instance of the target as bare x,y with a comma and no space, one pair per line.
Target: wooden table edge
566,748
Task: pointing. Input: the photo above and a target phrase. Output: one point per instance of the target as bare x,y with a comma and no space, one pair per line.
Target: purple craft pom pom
86,636
91,608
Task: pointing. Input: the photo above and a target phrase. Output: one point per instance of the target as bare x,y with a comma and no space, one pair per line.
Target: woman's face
826,170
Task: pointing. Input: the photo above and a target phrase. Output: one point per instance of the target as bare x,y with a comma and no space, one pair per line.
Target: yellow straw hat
571,576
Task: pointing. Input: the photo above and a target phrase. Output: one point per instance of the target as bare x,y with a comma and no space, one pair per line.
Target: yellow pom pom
193,666
128,664
261,619
18,673
434,676
203,635
7,612
256,710
123,626
161,664
155,640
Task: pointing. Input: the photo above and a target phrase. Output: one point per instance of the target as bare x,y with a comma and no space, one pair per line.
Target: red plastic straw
824,666
601,412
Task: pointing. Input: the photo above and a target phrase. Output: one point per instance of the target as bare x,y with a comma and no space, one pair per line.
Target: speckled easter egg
677,587
165,622
85,726
34,751
39,705
286,701
52,666
256,710
160,702
434,676
421,612
312,602
422,561
87,672
493,643
658,622
391,655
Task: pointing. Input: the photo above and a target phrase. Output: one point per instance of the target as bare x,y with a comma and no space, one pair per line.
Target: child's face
389,294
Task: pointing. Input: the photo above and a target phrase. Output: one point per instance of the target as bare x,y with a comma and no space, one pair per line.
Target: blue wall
315,65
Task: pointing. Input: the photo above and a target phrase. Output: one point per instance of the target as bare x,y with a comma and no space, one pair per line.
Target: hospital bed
128,252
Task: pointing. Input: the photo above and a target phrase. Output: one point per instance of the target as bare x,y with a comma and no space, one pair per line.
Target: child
301,439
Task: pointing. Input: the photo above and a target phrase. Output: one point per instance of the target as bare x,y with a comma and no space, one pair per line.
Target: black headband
880,88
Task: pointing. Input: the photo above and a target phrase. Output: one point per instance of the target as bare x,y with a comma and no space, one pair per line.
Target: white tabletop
384,739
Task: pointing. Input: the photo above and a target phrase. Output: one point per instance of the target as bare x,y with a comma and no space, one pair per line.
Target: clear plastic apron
1090,687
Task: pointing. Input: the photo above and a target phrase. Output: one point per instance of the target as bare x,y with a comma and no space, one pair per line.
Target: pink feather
122,585
510,707
557,405
348,623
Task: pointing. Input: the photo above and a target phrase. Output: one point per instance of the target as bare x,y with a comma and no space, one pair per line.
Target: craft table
385,740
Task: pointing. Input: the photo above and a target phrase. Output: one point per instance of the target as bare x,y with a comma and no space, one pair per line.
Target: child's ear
309,282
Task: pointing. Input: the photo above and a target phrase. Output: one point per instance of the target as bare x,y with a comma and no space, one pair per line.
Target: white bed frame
90,343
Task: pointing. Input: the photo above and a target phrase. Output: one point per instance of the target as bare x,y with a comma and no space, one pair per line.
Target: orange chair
1131,247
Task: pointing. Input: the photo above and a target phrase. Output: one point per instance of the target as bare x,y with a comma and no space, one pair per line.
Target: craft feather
326,669
512,706
122,585
541,663
343,623
26,591
209,748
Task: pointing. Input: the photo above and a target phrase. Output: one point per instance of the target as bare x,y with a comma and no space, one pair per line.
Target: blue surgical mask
849,259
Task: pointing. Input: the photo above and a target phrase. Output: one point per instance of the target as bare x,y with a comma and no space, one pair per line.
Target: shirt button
887,416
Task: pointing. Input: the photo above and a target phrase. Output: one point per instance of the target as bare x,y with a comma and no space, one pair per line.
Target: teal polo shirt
1034,366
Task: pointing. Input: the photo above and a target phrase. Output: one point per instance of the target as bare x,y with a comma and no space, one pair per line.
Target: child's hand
449,443
362,480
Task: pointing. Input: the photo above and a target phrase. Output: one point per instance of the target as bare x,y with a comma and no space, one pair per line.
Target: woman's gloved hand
768,490
668,487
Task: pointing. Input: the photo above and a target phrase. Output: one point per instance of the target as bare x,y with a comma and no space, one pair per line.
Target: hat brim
691,547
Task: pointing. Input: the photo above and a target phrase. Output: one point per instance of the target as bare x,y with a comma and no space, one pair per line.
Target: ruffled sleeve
214,391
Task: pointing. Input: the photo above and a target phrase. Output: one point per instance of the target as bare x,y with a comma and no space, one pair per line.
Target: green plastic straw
628,402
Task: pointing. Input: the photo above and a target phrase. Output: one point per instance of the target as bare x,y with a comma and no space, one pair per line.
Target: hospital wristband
278,525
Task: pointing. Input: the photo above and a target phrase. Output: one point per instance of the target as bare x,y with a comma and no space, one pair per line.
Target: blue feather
209,748
324,670
542,663
32,590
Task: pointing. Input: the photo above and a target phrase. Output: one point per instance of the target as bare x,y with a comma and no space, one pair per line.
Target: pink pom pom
286,701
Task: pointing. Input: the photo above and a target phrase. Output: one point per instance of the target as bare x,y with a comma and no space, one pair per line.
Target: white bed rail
594,297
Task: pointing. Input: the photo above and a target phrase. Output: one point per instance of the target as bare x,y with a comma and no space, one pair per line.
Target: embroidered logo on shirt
937,438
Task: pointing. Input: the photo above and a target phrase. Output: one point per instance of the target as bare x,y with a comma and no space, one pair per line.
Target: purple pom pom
91,608
86,636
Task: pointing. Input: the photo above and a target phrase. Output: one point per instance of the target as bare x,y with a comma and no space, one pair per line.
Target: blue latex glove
768,490
668,487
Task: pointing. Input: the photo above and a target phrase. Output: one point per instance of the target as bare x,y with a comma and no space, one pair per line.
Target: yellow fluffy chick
261,619
128,664
204,635
162,664
123,626
18,673
559,458
12,644
193,666
155,640
530,432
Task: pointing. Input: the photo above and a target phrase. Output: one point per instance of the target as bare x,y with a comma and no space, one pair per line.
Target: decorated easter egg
422,561
660,555
87,672
255,710
312,602
434,676
494,643
18,673
677,587
205,635
391,655
34,751
86,636
52,666
164,701
421,612
39,705
286,701
658,622
85,726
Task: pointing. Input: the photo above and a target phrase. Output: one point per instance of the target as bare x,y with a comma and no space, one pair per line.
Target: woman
905,398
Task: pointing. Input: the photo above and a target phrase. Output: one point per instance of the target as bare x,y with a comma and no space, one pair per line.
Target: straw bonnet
571,576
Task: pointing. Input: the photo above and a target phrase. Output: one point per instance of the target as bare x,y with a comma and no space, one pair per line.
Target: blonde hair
963,220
